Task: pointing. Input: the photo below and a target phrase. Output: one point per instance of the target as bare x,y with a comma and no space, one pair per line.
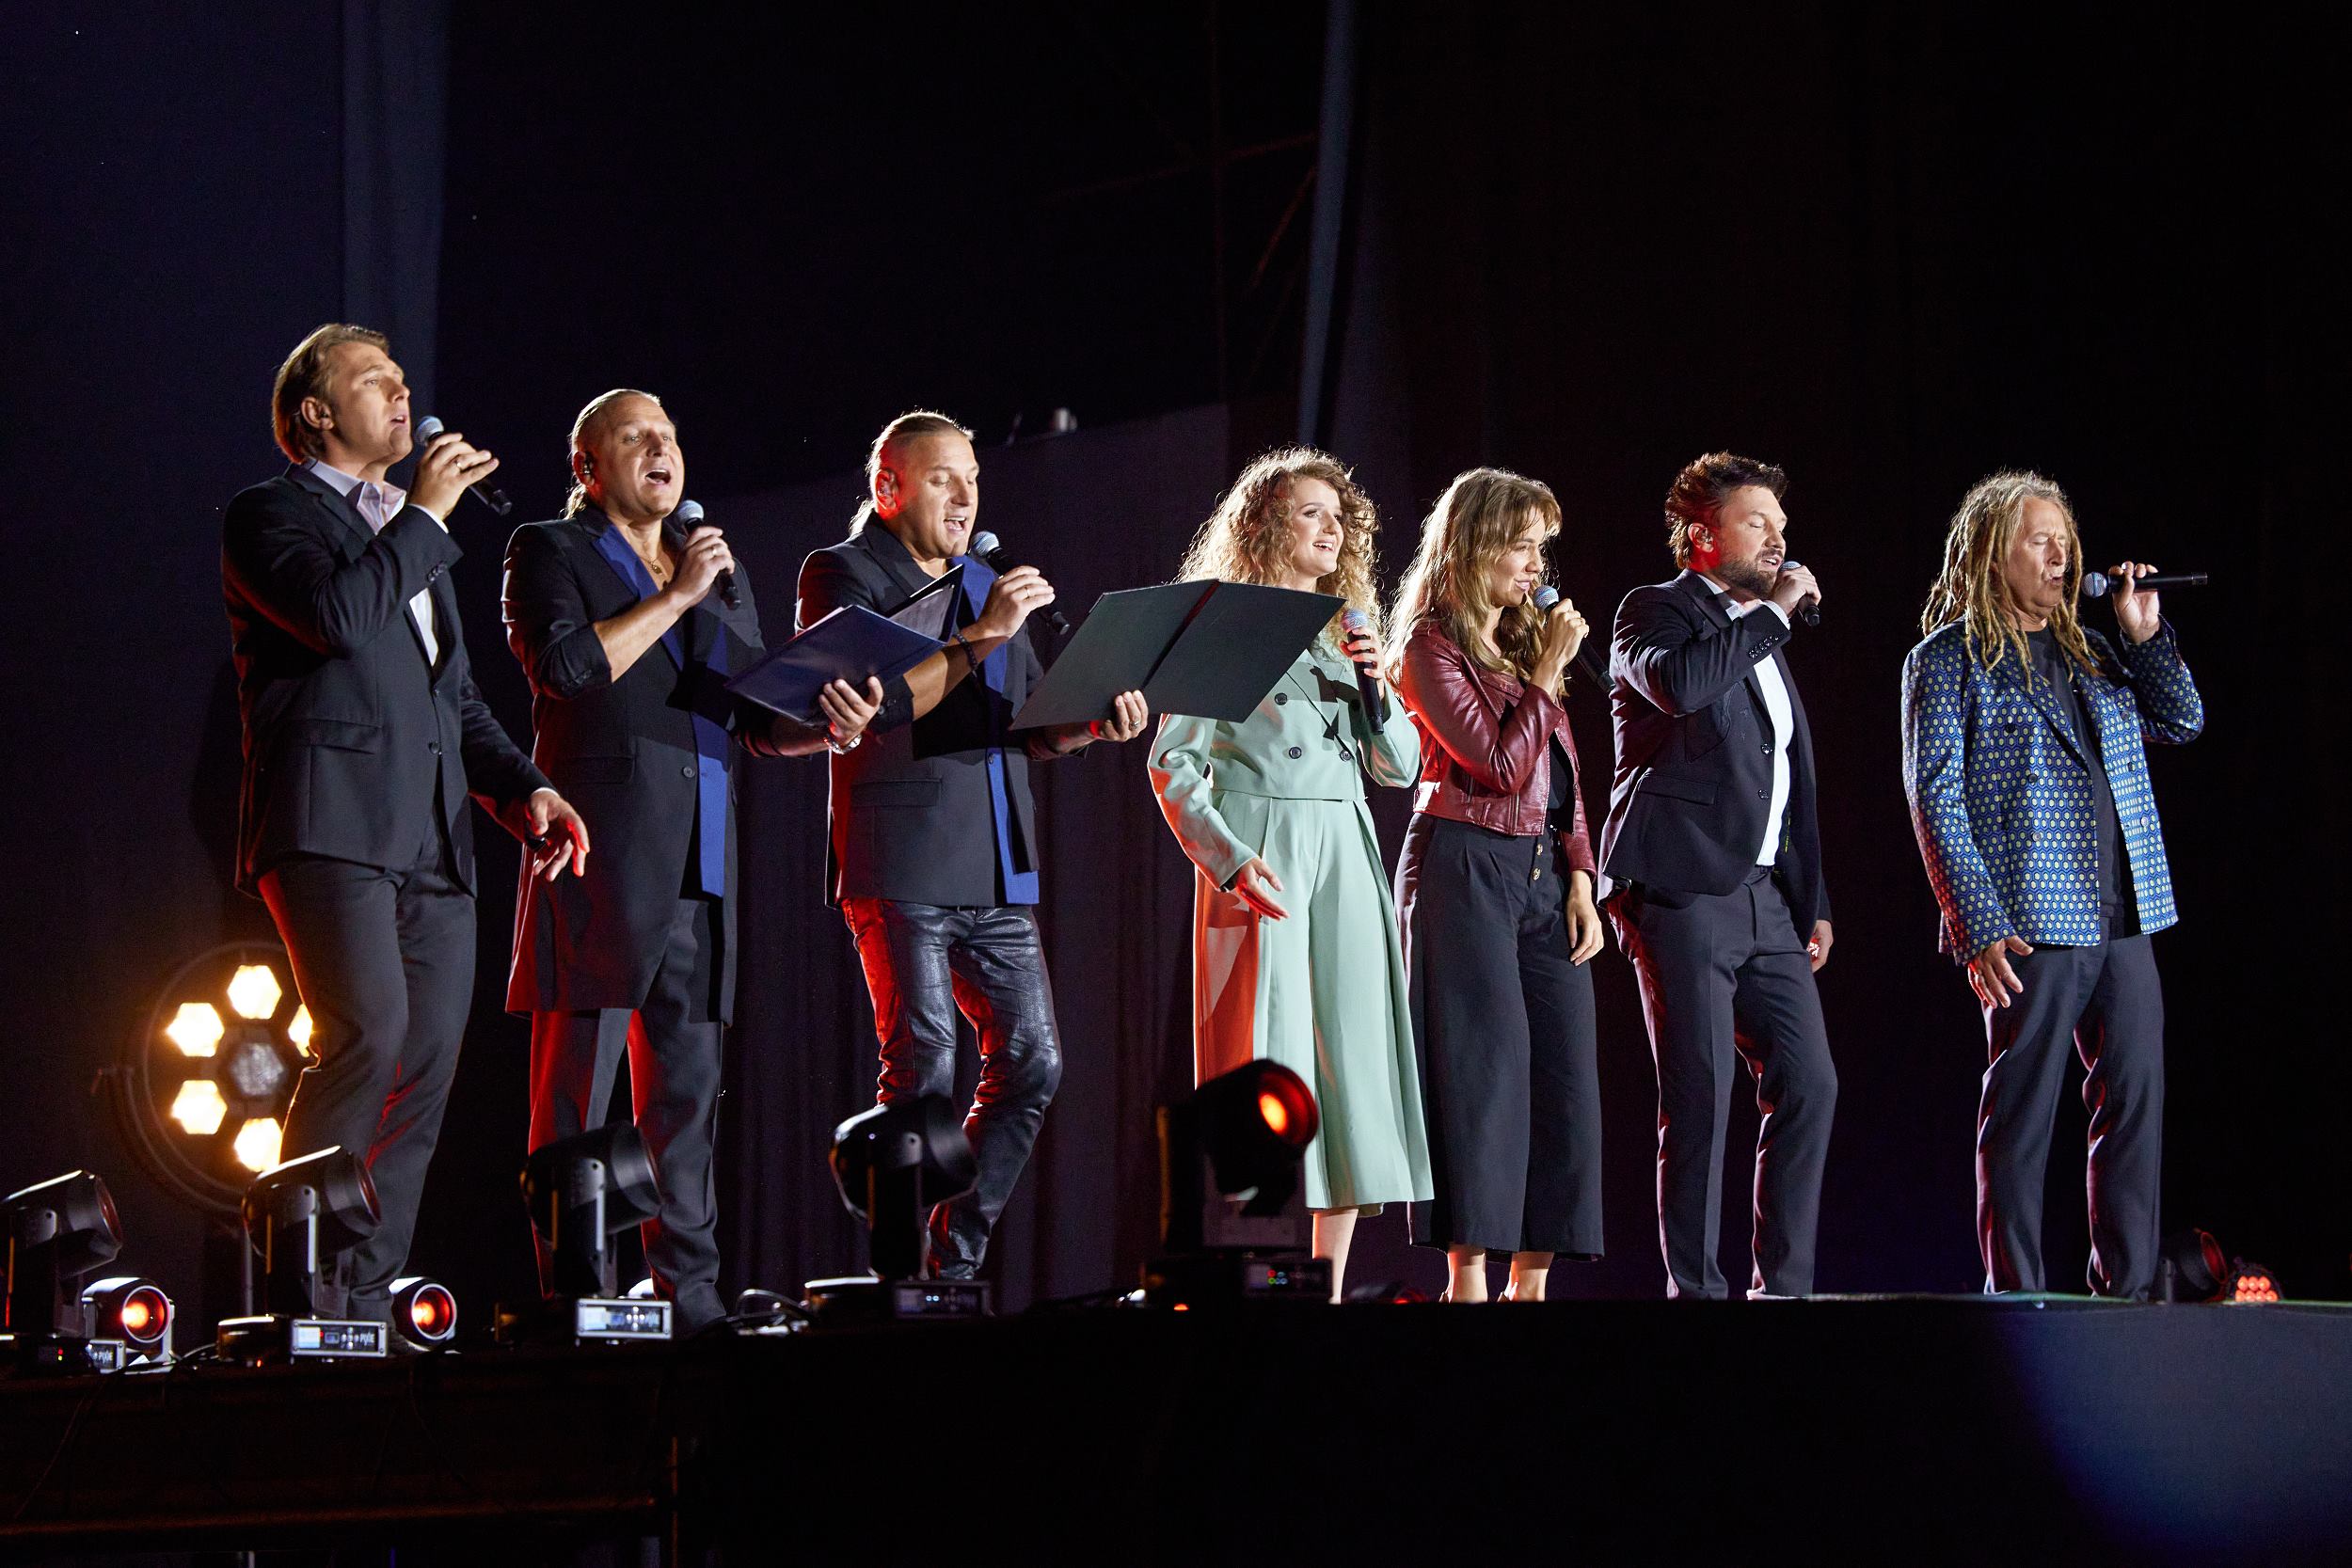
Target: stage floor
1866,1430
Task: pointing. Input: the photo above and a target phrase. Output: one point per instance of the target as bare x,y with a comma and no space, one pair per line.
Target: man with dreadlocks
2029,782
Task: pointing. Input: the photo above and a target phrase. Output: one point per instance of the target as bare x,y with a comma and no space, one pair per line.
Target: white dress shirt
1776,709
379,504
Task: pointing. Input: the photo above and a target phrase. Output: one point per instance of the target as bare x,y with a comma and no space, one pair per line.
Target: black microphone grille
428,429
688,512
985,543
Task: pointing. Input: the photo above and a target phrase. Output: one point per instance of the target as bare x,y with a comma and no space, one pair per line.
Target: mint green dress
1322,992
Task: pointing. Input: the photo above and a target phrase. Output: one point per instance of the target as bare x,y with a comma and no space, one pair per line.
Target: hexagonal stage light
201,1091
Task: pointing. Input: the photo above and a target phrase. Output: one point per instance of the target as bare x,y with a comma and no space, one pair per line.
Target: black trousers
384,961
924,964
1505,1029
672,1040
2108,1002
1724,978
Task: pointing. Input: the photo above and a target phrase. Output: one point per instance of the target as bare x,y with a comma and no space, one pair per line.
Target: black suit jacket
353,744
1695,762
910,810
622,753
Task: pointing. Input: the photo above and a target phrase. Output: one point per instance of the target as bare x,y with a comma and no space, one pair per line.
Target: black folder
1209,649
850,644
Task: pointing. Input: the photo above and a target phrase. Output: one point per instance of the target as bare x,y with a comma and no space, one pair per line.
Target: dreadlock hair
1247,539
1972,588
1477,518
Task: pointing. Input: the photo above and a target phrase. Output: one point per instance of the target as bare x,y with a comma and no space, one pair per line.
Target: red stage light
423,1312
1278,1116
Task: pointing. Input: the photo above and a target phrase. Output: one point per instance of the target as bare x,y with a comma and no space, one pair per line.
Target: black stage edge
1896,1430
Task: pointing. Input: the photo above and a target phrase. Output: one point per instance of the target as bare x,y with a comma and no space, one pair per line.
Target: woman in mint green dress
1295,955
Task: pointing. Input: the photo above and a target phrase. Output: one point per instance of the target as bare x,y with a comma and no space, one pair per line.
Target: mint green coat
1323,991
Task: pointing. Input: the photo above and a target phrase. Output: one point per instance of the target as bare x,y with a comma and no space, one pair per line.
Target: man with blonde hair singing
934,848
364,733
2024,758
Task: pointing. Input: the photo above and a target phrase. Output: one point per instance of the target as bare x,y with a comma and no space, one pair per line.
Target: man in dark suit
934,850
363,735
1713,858
611,611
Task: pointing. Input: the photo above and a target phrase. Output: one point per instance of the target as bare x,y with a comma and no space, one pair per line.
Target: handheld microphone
1545,597
1368,684
1808,608
486,491
991,549
689,516
2098,585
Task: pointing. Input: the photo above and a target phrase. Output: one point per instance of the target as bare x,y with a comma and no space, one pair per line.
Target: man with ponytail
933,854
2023,757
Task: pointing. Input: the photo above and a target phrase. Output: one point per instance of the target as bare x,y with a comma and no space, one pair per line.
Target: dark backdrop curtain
1893,250
185,197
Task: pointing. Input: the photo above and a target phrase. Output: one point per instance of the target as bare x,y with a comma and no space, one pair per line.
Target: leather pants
926,963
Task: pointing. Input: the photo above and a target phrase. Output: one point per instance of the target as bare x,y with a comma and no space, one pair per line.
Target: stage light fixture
582,1191
196,1029
58,1231
202,1092
1234,1221
894,1165
424,1313
302,1216
254,992
199,1107
2251,1284
130,1313
258,1143
585,1190
2190,1266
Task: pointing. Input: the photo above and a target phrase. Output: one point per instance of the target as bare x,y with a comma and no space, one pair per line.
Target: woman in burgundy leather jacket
1495,893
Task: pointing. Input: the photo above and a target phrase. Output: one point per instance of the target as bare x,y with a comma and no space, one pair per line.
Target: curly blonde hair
1972,588
1247,539
1478,518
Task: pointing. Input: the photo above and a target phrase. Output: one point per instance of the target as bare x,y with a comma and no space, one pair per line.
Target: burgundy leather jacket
1483,744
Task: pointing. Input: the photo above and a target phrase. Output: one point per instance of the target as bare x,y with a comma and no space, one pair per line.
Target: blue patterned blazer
2000,787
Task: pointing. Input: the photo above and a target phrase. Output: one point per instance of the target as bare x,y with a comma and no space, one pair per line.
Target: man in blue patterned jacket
2022,757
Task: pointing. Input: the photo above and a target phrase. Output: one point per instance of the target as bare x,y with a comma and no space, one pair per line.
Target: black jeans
1724,978
385,962
924,964
2107,1002
672,1043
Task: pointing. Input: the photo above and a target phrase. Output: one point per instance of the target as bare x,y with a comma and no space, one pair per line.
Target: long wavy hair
1972,588
1477,518
1247,539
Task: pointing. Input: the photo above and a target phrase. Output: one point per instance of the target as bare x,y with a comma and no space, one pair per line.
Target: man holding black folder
933,859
